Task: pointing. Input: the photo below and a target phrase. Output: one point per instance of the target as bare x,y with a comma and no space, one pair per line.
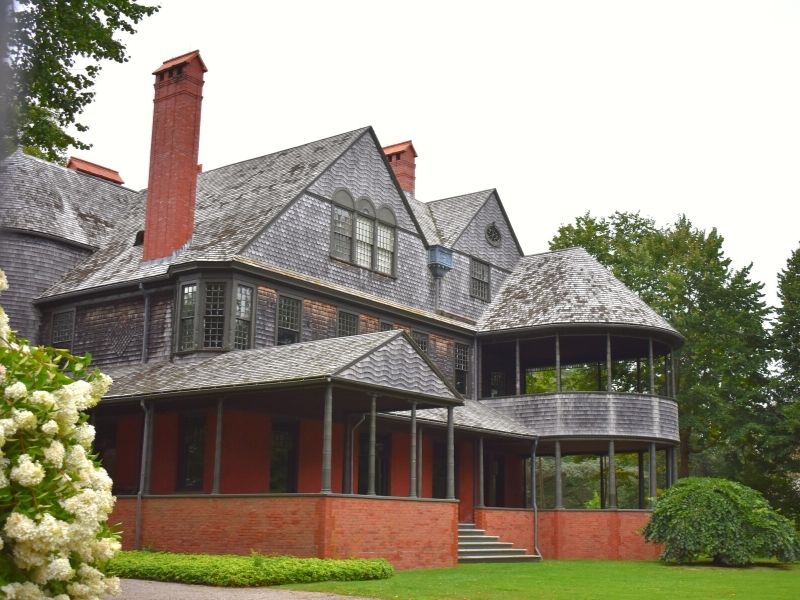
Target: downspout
535,506
137,536
146,326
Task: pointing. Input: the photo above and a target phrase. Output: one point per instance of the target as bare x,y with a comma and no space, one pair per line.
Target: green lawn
575,580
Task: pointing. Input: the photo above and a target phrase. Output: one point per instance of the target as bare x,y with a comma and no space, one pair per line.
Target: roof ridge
486,191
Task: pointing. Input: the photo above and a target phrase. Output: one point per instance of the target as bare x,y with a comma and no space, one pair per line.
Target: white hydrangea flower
4,462
54,454
58,569
28,472
5,329
50,428
84,435
100,386
105,548
42,398
8,426
16,391
100,480
24,419
3,281
22,591
75,459
77,394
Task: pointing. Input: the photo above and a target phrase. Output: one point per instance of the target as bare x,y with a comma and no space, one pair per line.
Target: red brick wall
368,324
571,534
408,533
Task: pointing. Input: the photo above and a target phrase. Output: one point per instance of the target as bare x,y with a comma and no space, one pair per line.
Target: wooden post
612,476
652,474
652,371
327,440
412,484
608,362
371,458
558,363
217,449
451,462
559,498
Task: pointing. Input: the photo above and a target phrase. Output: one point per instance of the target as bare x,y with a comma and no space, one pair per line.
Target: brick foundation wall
574,534
408,533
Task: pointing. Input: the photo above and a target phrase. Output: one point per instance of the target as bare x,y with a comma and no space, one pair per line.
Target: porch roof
386,361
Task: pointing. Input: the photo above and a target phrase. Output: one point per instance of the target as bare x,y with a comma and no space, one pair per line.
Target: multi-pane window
479,280
288,320
62,329
461,362
347,324
214,316
362,236
188,309
421,339
243,317
191,451
386,326
384,251
342,233
365,232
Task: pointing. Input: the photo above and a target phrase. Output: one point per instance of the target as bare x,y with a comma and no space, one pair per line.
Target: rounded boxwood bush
720,519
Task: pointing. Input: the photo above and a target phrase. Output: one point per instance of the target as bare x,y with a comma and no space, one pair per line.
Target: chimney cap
181,60
90,168
400,147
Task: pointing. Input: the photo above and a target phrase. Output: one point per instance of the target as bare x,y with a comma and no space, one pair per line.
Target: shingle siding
112,332
32,264
473,241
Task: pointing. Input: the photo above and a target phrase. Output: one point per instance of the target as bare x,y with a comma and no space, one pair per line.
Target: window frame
456,370
299,318
183,455
355,316
416,335
473,263
234,316
71,313
363,209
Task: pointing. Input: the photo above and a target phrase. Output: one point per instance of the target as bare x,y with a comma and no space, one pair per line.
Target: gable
473,239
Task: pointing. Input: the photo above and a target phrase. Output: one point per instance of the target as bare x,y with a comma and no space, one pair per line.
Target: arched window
362,235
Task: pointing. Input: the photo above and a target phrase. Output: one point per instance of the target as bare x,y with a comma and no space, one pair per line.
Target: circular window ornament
493,234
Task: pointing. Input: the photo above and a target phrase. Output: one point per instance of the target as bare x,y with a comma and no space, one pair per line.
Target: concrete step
466,525
491,552
482,545
500,558
474,546
471,532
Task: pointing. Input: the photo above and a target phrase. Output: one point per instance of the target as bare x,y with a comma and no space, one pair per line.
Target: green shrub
240,571
728,522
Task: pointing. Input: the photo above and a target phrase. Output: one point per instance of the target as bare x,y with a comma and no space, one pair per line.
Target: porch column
516,363
412,483
612,476
371,458
480,472
558,362
608,362
640,472
652,372
327,439
451,463
147,449
217,449
652,473
559,499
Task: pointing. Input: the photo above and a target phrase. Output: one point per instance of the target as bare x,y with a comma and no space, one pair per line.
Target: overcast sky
565,107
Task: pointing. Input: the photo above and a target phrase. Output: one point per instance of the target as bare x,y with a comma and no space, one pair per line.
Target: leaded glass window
244,312
342,233
384,251
421,339
365,230
288,320
62,329
479,280
461,363
214,316
386,326
347,324
188,310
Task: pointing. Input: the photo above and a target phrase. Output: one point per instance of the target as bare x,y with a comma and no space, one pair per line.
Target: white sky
565,107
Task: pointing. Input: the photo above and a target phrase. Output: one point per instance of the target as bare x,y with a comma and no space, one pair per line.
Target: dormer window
210,319
361,235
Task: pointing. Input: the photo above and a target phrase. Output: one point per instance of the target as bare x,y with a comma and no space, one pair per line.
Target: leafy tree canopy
723,520
54,51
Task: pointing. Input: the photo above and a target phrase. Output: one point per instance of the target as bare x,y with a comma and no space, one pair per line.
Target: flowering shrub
54,497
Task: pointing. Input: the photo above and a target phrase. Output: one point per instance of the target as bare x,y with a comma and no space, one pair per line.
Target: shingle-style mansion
310,360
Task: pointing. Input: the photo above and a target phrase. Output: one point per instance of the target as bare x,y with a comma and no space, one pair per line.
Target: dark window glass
461,363
288,320
283,459
191,451
384,252
382,456
497,380
347,324
188,308
62,329
386,326
342,233
421,339
214,317
479,280
244,311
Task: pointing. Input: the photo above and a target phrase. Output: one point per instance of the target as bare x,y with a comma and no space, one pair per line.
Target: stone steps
474,546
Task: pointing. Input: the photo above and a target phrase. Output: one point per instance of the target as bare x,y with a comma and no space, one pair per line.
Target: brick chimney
171,190
401,158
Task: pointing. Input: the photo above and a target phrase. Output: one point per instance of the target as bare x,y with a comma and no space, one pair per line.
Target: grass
241,571
577,580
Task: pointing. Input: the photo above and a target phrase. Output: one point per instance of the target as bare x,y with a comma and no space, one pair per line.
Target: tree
54,497
724,520
681,271
54,51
